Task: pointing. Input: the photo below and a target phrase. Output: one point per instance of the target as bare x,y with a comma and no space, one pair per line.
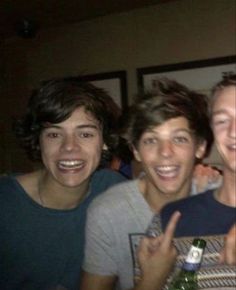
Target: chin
169,193
72,182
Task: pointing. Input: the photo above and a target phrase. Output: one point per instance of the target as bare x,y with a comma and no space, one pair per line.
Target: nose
70,143
165,148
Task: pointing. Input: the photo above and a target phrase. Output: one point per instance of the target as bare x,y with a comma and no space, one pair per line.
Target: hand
228,253
205,175
157,256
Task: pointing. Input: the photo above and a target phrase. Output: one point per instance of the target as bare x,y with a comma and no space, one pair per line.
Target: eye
86,135
181,140
52,135
150,140
220,122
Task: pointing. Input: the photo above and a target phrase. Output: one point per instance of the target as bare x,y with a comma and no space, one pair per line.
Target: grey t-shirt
115,222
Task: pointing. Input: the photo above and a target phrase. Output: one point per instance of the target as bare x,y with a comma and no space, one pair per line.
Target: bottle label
193,259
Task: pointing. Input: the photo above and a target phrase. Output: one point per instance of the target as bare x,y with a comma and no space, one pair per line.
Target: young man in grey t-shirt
169,132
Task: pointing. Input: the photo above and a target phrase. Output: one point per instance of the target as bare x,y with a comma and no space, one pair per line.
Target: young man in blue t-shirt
68,127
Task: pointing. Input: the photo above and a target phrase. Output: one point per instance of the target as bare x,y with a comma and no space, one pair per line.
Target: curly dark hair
55,101
168,100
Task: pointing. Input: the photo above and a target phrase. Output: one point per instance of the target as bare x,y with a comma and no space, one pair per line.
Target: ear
104,147
136,154
201,149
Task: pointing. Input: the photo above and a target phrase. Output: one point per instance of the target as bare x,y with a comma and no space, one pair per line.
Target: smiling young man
169,131
68,127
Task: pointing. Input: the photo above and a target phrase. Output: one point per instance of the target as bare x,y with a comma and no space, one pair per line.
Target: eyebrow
175,131
221,111
48,126
88,126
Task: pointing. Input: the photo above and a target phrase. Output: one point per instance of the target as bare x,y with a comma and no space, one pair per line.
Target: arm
157,257
228,253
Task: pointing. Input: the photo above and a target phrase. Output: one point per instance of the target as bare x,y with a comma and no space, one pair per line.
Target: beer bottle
186,279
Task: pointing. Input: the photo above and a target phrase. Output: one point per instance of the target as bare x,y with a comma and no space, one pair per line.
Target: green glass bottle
186,279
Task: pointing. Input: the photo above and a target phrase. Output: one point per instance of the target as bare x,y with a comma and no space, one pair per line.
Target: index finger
170,229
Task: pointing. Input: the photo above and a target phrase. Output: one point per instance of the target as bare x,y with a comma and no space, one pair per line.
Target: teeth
169,171
166,168
70,163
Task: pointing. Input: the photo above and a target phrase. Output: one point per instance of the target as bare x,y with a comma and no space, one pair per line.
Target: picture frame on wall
114,83
200,75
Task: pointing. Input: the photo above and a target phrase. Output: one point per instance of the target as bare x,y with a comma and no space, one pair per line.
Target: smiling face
224,126
168,153
71,150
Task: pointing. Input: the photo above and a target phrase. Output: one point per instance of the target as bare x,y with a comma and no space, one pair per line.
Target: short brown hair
169,99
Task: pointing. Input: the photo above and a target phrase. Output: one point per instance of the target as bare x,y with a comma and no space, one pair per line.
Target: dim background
159,33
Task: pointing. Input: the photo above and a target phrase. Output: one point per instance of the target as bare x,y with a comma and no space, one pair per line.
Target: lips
231,146
70,164
167,171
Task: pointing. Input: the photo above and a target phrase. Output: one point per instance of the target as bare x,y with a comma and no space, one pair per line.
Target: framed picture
200,75
114,83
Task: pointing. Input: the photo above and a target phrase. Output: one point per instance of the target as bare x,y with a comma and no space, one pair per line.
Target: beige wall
177,31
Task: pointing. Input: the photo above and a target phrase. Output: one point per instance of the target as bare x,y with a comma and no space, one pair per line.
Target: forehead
82,113
225,99
171,125
79,117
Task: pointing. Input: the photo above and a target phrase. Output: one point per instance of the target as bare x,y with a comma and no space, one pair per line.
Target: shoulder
115,197
187,206
9,190
6,182
187,203
16,183
104,178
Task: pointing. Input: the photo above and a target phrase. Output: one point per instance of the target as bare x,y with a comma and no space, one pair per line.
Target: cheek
94,150
43,148
220,130
219,136
219,143
188,155
47,149
45,154
147,156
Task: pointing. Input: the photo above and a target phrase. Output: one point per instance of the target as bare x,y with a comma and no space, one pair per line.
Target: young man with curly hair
69,128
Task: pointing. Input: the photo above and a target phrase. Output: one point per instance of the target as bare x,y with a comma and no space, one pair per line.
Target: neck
156,199
53,195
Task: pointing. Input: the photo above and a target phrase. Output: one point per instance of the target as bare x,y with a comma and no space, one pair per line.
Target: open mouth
167,171
231,146
70,164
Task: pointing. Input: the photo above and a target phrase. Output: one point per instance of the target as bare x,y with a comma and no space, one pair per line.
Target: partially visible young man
68,126
169,131
213,213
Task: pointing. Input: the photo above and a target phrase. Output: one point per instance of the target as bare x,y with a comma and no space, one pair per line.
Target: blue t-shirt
41,248
201,215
